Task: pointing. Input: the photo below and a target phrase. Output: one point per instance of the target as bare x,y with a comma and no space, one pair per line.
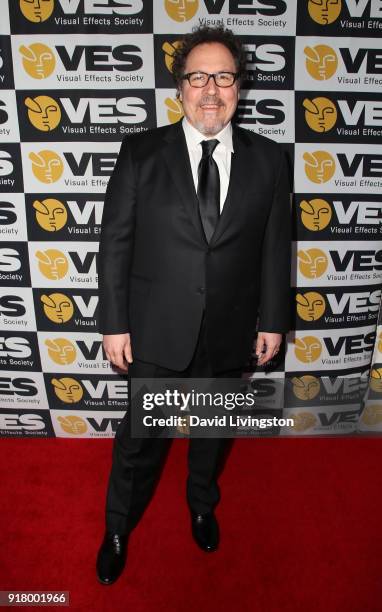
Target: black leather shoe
205,530
111,557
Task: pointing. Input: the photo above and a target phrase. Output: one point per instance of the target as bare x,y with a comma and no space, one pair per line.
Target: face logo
174,109
312,263
321,62
307,349
181,10
376,380
310,306
303,421
61,351
320,114
52,264
37,10
38,60
67,389
73,425
319,166
169,49
305,387
47,166
51,214
324,11
43,112
379,345
57,307
372,415
316,214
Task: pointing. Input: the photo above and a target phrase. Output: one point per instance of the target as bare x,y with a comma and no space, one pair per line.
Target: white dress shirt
222,154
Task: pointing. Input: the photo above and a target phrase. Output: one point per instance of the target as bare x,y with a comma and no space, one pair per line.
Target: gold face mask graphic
306,387
316,214
52,264
321,62
174,109
312,263
319,166
73,425
43,112
47,166
372,414
58,308
310,305
324,11
379,345
169,49
320,114
37,11
61,351
51,214
181,10
307,349
303,421
67,389
38,60
376,379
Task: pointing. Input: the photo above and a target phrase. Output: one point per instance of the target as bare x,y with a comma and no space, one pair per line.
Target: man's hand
271,343
118,349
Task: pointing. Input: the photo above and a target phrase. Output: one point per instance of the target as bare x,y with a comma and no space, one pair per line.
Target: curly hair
207,34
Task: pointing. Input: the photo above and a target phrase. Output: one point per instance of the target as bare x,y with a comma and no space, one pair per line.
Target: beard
213,125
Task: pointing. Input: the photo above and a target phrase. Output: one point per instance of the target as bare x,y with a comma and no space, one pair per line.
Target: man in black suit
195,245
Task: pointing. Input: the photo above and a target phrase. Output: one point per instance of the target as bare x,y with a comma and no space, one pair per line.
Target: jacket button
201,290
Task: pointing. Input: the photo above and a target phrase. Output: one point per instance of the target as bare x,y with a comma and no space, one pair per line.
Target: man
195,244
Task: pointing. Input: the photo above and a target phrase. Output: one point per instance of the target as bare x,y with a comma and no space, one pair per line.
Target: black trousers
137,461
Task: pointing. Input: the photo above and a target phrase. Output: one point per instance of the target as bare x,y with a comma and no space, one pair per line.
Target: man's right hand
118,349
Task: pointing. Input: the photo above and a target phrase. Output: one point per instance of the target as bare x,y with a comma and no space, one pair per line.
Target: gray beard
209,130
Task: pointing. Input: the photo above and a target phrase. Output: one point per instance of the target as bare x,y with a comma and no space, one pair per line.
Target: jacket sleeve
274,311
116,246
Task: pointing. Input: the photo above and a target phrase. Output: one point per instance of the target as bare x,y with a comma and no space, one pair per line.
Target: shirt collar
194,137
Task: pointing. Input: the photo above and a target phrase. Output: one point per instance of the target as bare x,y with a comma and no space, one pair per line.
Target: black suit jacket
157,273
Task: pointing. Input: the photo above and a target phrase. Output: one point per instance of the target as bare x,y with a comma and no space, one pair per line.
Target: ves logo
37,11
306,387
324,11
321,62
43,112
310,305
57,307
67,389
307,349
181,10
319,166
52,263
61,351
320,114
316,214
38,60
47,166
51,214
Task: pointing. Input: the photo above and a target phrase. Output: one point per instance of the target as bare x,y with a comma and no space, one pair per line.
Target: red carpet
300,522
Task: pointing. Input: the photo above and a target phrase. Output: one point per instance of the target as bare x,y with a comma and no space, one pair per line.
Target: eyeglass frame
209,75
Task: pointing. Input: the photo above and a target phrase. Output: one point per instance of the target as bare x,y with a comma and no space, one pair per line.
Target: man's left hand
270,344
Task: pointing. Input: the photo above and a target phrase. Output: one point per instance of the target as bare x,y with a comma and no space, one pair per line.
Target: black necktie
208,188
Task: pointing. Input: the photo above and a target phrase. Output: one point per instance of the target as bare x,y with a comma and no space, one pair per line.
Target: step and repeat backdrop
78,75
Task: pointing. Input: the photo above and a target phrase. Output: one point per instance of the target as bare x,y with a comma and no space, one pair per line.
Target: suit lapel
241,170
178,162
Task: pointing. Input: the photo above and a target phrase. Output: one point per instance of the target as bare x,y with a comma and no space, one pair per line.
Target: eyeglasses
200,79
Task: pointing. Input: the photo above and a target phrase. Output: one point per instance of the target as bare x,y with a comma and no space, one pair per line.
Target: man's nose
211,87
